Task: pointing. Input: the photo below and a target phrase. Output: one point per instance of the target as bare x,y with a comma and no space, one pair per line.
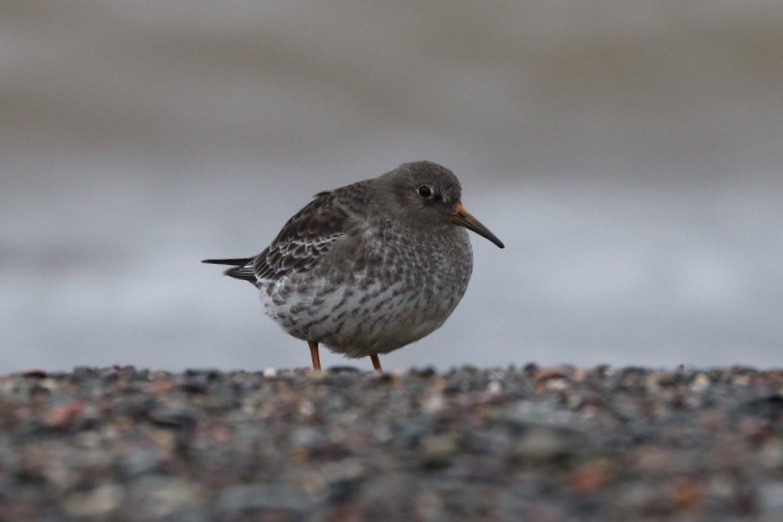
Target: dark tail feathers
240,261
241,268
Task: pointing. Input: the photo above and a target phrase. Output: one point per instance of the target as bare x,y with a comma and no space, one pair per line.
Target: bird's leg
314,355
376,363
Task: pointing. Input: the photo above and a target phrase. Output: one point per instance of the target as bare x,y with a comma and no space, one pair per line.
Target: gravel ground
531,444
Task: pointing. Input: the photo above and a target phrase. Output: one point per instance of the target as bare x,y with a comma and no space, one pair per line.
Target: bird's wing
304,239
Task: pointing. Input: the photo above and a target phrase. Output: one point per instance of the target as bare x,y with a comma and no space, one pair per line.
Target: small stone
545,444
771,498
247,500
437,450
342,369
98,502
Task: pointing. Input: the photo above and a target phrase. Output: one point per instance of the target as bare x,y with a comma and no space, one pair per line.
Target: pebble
242,501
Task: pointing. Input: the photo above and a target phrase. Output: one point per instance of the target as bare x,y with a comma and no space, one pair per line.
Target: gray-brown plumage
370,267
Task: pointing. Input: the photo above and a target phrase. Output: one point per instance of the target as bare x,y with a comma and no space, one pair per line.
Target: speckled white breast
359,309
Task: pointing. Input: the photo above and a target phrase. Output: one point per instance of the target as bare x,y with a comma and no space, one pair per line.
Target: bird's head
428,193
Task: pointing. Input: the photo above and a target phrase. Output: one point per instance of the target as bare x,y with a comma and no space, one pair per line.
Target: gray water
628,154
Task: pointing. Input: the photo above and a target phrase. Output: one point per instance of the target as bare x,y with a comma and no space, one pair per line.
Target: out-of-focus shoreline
548,444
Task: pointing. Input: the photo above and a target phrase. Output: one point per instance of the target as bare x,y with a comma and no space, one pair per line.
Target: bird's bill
461,217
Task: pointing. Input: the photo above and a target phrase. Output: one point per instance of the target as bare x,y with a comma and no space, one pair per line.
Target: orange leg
376,363
314,355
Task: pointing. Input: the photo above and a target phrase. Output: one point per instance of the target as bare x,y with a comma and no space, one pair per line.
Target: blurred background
628,153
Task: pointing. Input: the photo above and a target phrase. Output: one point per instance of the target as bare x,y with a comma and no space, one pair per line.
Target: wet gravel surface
537,444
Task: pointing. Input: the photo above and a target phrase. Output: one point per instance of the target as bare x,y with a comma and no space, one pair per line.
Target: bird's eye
425,191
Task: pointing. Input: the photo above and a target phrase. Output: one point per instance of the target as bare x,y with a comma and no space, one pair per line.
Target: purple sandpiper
370,267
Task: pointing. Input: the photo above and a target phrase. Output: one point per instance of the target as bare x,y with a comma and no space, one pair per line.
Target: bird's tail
239,261
241,268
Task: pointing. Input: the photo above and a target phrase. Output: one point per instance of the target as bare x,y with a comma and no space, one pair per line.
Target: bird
370,267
